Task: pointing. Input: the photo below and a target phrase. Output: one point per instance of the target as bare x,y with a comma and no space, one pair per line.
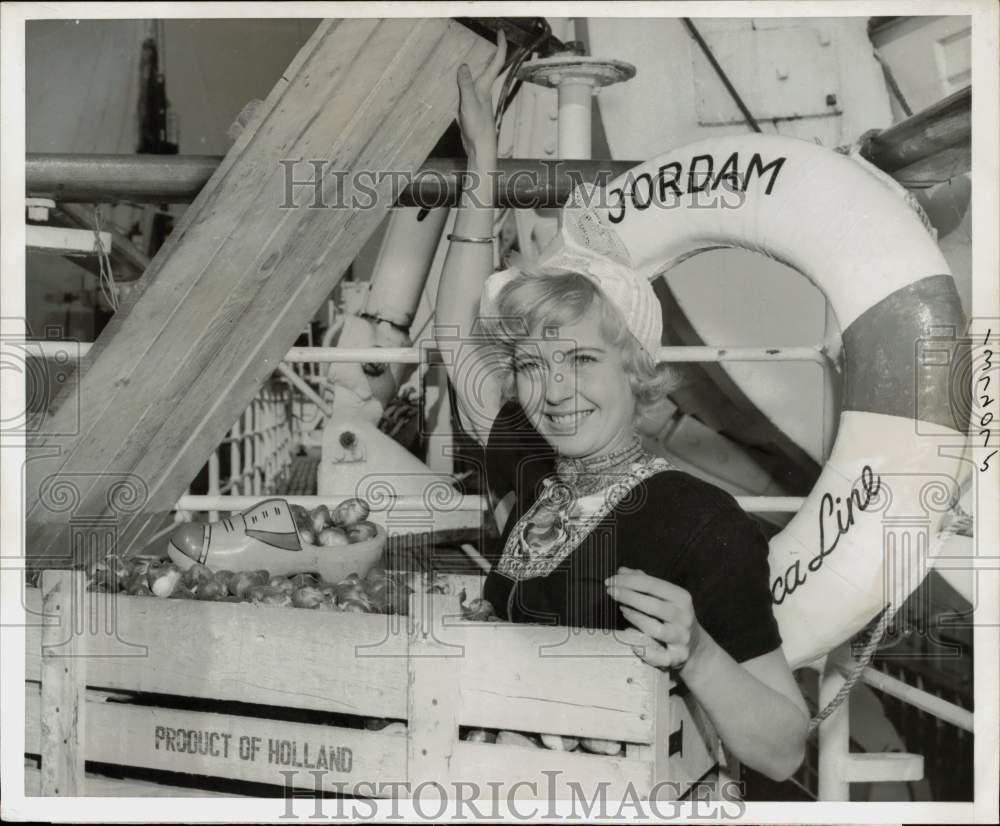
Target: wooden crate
267,673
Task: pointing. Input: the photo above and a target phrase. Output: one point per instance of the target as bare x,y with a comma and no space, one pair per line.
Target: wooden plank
537,774
234,211
95,785
231,746
63,674
515,676
512,676
657,752
127,736
243,274
434,703
206,198
553,680
694,744
347,663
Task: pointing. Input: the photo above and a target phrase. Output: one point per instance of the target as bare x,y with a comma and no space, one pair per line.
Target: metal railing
416,355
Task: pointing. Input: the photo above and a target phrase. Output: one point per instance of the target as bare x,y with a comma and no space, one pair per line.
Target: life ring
867,534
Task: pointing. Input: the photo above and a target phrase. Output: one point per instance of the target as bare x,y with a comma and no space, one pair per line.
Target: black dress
671,525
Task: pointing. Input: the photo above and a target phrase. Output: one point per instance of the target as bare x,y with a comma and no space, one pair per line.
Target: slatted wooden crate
432,670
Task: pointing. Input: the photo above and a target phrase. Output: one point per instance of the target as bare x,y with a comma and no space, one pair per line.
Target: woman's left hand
668,631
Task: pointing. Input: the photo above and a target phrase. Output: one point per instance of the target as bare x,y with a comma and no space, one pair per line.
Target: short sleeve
517,456
725,569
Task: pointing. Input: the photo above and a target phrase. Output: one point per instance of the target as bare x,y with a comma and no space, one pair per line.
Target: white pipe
304,388
213,482
885,767
770,504
414,355
397,504
241,466
575,98
64,241
258,475
234,456
267,442
475,556
948,712
753,504
834,732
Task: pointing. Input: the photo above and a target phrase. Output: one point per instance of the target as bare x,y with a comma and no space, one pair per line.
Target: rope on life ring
878,632
959,524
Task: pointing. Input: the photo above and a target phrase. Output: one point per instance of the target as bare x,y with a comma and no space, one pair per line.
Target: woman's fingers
668,633
646,584
647,624
677,609
492,71
475,104
632,636
653,653
465,84
654,606
661,612
673,656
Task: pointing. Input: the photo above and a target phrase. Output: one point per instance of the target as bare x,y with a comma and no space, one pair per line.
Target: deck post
834,731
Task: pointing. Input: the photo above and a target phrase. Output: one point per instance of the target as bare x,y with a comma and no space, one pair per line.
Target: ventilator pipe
397,283
574,118
403,265
576,77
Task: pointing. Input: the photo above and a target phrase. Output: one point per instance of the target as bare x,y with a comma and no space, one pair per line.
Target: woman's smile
575,389
568,421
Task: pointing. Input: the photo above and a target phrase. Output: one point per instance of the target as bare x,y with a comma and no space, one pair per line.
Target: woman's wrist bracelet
469,239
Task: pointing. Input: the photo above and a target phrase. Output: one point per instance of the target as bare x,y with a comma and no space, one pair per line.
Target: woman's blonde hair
530,303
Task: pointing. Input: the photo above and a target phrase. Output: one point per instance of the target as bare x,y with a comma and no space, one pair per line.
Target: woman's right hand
475,109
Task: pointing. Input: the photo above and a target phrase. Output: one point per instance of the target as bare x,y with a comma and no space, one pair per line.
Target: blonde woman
553,367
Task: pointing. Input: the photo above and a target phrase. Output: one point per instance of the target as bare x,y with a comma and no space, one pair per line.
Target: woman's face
574,388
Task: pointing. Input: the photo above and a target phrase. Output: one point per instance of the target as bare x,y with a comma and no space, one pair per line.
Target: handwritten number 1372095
986,402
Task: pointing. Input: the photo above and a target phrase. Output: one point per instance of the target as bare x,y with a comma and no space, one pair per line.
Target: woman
602,534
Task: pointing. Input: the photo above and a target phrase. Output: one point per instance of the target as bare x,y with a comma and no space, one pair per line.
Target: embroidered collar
588,475
556,524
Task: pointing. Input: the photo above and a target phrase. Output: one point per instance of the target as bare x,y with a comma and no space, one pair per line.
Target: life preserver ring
866,535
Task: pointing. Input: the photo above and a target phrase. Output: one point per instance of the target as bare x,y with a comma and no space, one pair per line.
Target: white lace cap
588,244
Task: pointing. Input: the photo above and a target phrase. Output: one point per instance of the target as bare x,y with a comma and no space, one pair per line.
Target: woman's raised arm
470,255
